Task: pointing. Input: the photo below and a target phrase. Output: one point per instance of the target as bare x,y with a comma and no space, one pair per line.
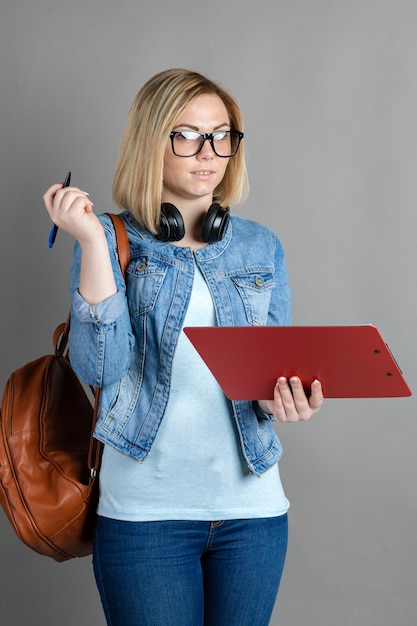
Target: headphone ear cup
171,225
215,223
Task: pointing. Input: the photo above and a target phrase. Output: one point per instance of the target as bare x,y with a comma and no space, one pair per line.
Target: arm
101,338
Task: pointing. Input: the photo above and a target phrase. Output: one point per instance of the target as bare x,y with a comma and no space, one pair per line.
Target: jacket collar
211,251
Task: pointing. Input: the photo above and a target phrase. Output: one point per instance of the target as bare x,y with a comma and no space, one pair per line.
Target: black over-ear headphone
171,226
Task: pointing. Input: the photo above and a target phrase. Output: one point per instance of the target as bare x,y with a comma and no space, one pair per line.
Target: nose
206,151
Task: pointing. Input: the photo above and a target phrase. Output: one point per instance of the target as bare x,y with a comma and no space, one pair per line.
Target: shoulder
242,223
249,232
106,222
133,229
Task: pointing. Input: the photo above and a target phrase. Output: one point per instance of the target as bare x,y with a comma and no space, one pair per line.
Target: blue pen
54,229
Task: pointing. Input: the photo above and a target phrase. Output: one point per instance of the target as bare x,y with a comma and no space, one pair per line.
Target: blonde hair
138,178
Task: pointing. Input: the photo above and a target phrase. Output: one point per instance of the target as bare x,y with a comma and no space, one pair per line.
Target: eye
220,135
187,135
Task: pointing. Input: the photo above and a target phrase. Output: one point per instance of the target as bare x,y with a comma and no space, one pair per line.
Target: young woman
192,517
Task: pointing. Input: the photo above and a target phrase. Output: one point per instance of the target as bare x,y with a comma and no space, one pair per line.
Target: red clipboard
350,361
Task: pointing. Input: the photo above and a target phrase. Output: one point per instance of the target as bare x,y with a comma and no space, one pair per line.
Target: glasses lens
222,143
186,142
226,142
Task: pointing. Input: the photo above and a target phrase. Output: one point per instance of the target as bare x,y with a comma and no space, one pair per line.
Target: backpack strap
123,252
122,240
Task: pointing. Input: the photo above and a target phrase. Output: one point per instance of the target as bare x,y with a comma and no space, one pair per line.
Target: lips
203,175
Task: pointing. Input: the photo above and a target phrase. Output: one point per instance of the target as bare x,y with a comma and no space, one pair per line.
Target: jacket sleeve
101,338
280,310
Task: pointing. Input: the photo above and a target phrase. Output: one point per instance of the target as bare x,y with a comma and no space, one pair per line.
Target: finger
301,402
285,391
284,404
297,390
316,398
48,196
62,192
69,198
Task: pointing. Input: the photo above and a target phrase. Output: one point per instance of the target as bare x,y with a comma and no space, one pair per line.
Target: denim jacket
126,344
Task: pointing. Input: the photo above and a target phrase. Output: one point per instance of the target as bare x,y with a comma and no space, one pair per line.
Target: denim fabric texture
126,344
185,573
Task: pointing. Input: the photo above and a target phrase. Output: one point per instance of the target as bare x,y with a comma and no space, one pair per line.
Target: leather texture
49,459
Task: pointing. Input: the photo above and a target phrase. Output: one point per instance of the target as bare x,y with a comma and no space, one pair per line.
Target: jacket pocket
255,290
144,279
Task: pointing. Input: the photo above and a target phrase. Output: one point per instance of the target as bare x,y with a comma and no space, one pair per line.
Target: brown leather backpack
48,457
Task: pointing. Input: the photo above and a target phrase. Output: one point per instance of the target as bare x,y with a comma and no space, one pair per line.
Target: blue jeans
189,573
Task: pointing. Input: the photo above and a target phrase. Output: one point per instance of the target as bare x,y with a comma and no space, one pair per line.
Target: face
191,181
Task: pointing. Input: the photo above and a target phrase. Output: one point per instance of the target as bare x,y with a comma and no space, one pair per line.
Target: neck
193,223
193,215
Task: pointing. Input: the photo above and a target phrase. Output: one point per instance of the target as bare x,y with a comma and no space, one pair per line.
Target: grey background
329,94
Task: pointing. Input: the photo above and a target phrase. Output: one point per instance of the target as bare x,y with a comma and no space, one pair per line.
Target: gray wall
329,92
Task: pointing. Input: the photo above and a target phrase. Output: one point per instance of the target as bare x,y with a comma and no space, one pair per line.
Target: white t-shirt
195,470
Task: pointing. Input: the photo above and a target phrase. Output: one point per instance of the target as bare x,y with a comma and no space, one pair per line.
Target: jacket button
259,282
142,265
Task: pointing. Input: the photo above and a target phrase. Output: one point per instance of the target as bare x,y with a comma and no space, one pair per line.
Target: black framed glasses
188,143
